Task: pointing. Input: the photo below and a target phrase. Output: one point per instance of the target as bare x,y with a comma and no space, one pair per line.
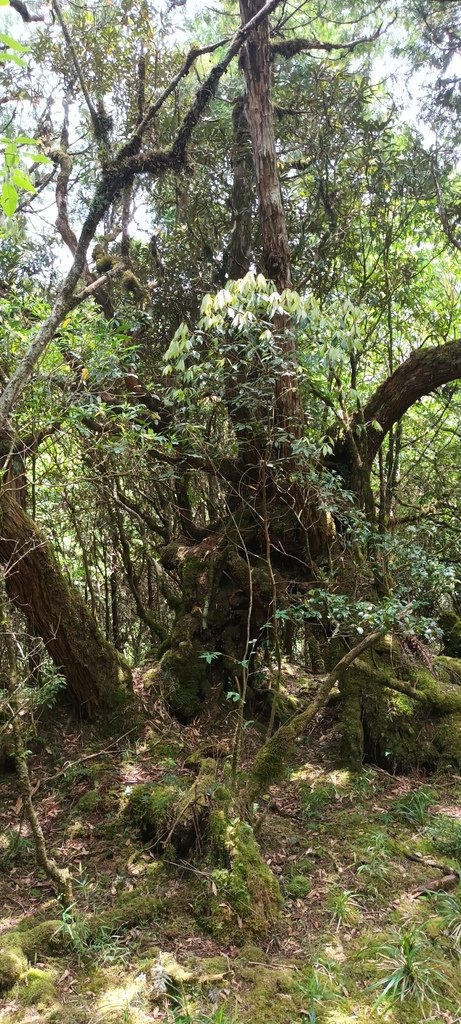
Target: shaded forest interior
230,658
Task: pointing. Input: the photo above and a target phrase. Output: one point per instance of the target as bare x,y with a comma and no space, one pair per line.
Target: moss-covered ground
367,864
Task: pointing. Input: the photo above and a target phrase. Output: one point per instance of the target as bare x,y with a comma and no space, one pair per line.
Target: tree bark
238,256
256,63
95,674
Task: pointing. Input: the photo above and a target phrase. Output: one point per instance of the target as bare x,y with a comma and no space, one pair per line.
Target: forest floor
367,864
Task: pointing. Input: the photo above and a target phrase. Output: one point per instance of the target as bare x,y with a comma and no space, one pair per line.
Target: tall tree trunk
256,63
238,256
96,676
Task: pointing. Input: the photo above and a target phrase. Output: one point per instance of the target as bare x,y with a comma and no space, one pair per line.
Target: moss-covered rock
27,943
38,940
173,815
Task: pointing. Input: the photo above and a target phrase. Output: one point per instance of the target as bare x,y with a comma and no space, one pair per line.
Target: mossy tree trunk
205,643
59,877
95,674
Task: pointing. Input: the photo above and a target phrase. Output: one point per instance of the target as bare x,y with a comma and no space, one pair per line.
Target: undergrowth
352,945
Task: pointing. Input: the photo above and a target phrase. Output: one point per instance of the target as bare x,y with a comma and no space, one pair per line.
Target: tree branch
423,372
114,177
98,127
22,9
291,47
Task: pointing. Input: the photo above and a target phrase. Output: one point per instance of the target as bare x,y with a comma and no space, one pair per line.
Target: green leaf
4,56
8,199
210,656
23,140
13,43
38,158
22,180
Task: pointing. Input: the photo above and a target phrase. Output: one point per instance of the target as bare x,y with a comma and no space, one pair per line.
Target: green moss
184,672
104,263
170,814
450,624
165,749
246,898
297,886
149,810
132,908
38,988
351,750
434,927
272,761
448,669
250,953
38,940
397,730
130,286
50,937
271,996
447,739
88,802
13,963
192,568
184,675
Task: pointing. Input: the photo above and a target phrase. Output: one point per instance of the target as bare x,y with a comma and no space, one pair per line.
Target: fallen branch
449,881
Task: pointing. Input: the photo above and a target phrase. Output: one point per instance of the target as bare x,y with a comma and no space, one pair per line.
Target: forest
230,541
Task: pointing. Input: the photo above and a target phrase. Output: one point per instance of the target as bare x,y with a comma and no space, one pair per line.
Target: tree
265,399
